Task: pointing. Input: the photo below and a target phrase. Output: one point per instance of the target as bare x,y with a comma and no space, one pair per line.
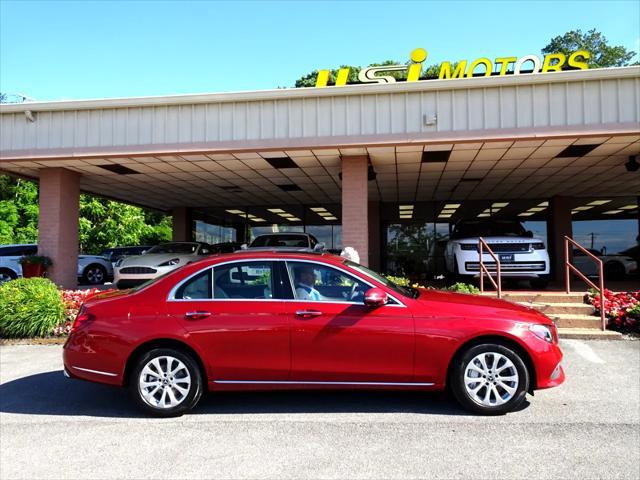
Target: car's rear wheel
490,379
6,275
166,382
614,270
94,275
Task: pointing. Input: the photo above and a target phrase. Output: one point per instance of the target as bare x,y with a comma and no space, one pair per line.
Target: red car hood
467,304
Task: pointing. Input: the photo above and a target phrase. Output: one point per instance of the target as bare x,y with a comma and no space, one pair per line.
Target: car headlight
537,246
468,246
542,331
169,263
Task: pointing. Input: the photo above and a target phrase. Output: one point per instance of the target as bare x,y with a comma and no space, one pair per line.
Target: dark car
116,253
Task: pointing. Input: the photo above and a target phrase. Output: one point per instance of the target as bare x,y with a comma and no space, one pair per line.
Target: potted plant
34,265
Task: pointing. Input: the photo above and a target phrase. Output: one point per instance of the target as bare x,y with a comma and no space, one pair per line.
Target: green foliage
18,211
103,223
463,288
602,54
29,307
400,281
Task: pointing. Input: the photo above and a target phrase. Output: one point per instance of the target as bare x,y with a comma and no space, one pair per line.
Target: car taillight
82,318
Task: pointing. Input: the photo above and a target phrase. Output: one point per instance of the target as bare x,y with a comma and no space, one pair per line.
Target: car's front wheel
94,275
166,382
490,379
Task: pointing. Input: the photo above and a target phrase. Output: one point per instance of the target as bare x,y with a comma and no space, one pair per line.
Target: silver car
92,269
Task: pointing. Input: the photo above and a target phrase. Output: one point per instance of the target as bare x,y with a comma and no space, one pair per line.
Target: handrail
483,269
569,266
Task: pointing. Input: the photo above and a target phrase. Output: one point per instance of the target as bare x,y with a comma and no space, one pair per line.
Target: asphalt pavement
53,427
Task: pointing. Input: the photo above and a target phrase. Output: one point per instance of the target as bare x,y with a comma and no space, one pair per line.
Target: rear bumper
83,362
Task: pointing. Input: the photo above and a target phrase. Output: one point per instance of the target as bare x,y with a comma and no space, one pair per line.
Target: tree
103,223
602,54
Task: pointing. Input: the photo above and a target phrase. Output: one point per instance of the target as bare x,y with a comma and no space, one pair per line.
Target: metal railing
497,283
568,267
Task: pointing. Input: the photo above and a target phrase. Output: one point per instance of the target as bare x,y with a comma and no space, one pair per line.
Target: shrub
463,288
400,281
29,307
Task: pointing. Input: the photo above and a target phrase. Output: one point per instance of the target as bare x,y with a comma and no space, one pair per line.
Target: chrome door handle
197,315
308,313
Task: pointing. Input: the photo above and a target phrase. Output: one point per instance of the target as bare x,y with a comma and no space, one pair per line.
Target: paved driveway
52,427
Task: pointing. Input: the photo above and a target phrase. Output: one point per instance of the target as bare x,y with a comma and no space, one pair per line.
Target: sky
54,50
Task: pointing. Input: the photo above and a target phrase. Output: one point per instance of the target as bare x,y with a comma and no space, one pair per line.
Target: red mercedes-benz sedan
274,320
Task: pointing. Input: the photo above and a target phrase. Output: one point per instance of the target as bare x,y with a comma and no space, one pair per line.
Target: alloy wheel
95,275
491,379
164,382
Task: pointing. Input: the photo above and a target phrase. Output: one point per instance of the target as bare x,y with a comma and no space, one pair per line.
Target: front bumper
123,278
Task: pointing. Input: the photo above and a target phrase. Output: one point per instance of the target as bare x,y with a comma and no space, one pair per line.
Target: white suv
521,255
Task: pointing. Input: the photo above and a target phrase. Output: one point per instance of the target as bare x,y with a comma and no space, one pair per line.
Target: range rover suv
521,255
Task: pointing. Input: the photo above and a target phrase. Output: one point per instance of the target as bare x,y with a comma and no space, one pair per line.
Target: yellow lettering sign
458,72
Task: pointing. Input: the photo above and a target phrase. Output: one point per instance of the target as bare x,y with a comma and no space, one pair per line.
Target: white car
92,269
285,241
615,266
135,270
521,255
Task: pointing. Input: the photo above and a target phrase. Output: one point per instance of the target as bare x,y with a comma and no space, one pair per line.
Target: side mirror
529,234
375,297
319,247
244,246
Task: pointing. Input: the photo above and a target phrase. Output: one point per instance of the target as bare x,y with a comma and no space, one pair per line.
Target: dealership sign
552,62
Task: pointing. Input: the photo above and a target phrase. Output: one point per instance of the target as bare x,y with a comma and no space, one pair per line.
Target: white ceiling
505,169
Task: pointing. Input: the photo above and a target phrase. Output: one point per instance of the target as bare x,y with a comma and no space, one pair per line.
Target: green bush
400,281
29,307
463,288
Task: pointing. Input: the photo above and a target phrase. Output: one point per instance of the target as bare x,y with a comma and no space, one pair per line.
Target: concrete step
544,297
588,334
554,308
567,320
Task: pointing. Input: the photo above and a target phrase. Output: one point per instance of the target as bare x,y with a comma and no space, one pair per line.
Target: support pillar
182,225
59,199
558,225
355,208
374,236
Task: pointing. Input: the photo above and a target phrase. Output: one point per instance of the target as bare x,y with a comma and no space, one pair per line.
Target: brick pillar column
558,225
182,225
59,198
355,208
374,235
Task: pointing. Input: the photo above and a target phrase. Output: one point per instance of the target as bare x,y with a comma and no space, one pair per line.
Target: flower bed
73,300
621,309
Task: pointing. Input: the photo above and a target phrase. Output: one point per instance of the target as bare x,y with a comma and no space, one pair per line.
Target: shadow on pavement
52,394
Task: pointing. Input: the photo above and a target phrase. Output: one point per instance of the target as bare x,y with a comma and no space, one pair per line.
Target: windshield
183,248
404,291
489,229
280,241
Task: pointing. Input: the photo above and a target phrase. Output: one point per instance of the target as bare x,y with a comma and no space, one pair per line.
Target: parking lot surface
53,427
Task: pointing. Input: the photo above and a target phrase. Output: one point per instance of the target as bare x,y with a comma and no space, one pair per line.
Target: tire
614,270
472,395
159,398
539,283
94,274
6,275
